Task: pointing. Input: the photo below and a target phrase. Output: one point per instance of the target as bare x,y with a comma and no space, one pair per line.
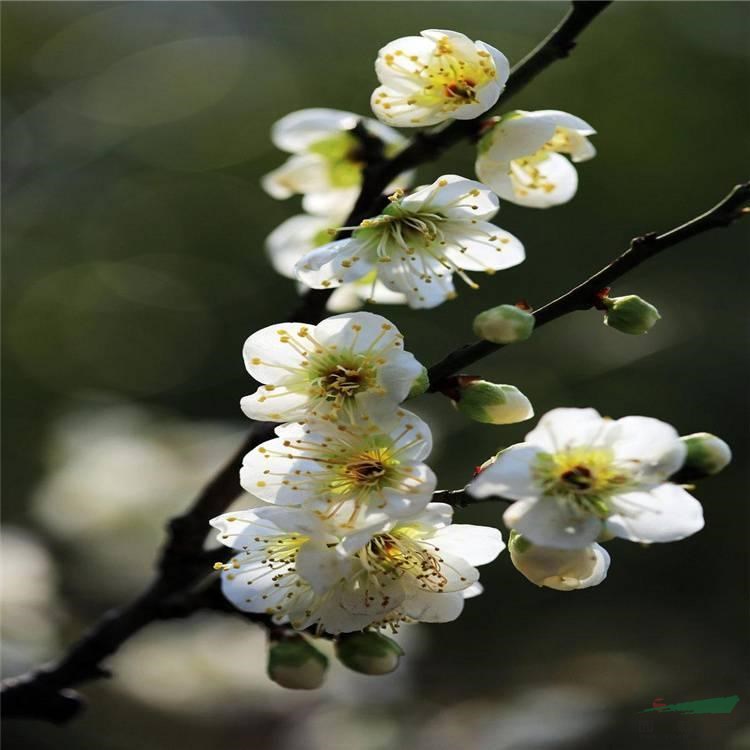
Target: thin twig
584,296
45,693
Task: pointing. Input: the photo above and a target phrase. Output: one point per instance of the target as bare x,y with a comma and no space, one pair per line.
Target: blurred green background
135,135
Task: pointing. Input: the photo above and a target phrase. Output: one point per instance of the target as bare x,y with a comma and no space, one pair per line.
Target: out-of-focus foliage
134,138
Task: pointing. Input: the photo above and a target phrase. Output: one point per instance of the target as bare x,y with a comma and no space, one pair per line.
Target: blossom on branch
351,476
300,235
440,75
418,243
327,158
288,566
578,475
520,157
345,365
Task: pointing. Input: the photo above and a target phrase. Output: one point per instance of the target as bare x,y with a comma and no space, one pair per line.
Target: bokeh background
135,135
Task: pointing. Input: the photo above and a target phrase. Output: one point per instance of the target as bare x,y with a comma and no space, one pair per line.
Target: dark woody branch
585,295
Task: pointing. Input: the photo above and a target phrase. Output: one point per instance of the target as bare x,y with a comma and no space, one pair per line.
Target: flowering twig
427,146
585,295
46,693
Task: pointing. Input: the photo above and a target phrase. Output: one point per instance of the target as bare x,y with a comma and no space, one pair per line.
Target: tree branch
45,693
584,296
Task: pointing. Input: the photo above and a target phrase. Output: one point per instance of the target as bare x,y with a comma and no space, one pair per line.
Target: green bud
504,324
420,385
706,455
491,403
368,652
293,663
630,314
517,543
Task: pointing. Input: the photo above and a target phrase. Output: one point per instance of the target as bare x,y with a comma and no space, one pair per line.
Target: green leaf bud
706,455
420,385
368,652
504,324
630,314
294,663
491,403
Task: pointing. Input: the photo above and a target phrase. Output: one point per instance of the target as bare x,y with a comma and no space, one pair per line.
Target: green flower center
338,378
585,477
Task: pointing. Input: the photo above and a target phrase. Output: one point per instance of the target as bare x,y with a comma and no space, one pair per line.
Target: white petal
426,606
320,566
251,589
478,545
398,375
278,405
266,469
358,332
379,293
509,476
478,252
330,201
563,569
581,148
299,174
563,428
345,299
390,106
294,238
420,293
270,359
518,136
561,179
665,514
322,268
475,589
552,523
451,196
502,66
564,120
434,517
298,130
652,449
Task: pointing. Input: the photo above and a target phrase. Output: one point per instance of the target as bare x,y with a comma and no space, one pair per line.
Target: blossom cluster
349,538
410,252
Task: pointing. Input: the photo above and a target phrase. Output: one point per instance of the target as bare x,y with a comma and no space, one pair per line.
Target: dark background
135,135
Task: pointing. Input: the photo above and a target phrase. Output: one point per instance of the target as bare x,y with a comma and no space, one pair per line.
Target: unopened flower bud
420,385
368,652
293,663
492,403
630,314
504,324
560,569
706,455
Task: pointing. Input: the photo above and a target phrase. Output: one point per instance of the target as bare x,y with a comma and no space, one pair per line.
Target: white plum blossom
521,157
346,365
351,476
301,234
439,75
327,161
418,570
561,569
578,475
418,243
